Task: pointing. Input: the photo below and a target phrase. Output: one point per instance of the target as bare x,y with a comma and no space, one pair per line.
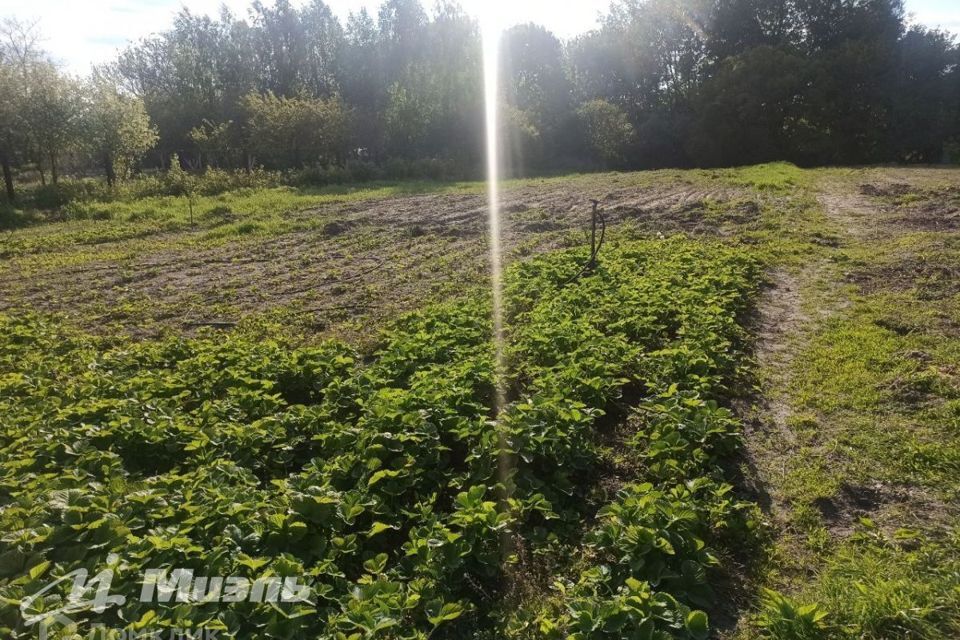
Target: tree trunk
8,178
108,169
53,168
43,174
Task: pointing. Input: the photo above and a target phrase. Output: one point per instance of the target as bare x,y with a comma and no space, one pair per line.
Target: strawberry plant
377,475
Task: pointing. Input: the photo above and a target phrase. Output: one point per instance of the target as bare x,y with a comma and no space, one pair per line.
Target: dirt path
780,320
792,309
847,341
850,210
785,322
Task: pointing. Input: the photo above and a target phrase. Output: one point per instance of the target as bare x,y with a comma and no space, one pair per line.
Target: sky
83,32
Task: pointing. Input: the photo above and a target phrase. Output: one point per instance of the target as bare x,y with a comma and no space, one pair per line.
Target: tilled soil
371,260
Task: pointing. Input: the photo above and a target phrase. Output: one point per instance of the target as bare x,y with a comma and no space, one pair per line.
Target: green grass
874,588
869,478
232,215
776,176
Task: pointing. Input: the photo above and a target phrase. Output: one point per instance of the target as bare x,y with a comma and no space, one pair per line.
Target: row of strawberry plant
658,350
380,477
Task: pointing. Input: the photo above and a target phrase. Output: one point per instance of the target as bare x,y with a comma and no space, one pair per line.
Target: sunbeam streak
491,46
491,33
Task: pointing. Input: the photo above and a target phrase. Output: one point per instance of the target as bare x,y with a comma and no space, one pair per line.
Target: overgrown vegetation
379,476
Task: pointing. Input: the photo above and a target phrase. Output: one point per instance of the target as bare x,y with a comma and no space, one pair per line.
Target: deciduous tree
118,129
295,132
608,131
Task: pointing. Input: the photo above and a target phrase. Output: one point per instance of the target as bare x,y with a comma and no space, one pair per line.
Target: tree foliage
118,129
660,82
608,130
295,131
52,113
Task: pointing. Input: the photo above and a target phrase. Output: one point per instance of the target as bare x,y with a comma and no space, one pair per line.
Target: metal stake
593,236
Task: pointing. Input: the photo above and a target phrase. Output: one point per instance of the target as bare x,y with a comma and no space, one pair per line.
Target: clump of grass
878,589
873,588
775,176
783,618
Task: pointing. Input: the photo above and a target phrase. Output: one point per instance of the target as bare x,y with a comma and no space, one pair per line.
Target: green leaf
39,570
145,619
449,611
377,564
697,625
378,528
380,475
253,563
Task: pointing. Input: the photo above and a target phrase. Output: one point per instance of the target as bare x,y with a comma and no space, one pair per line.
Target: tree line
659,83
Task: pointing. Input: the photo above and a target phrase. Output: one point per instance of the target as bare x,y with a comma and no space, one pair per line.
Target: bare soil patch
890,506
886,190
917,208
936,212
932,277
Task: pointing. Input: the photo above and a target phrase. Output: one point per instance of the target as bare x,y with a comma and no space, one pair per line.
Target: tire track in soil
791,310
783,329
